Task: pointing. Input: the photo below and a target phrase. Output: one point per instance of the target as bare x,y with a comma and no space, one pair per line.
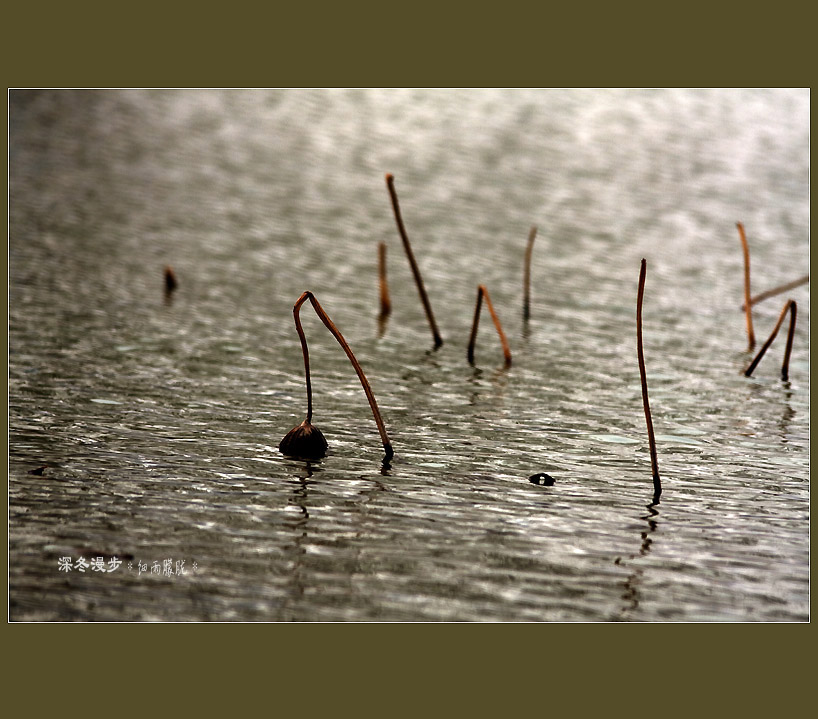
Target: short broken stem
483,292
785,367
383,285
657,483
748,305
527,274
390,183
324,317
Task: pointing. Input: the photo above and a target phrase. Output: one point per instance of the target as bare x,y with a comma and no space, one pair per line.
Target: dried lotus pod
305,441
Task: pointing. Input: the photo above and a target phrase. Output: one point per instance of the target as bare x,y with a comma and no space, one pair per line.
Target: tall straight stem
527,274
324,317
390,183
748,305
654,463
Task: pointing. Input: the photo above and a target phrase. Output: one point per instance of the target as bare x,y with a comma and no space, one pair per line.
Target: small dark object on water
542,478
39,471
170,280
305,441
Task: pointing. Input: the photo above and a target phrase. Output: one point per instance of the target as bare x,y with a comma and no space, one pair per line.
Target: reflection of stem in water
631,585
483,292
785,367
789,413
364,530
299,552
424,298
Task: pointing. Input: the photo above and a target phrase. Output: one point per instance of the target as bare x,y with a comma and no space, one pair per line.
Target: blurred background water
157,423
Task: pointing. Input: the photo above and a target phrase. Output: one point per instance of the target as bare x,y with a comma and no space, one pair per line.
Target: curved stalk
483,292
324,317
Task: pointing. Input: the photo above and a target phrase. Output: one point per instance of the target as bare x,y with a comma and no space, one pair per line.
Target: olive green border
504,667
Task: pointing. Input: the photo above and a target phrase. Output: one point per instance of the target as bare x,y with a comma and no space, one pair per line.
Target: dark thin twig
527,274
654,463
483,292
785,367
748,305
777,290
383,285
390,183
324,317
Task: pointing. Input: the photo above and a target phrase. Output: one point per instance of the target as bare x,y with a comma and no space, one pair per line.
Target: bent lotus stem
527,274
383,285
424,298
483,292
748,304
324,317
654,463
792,307
778,290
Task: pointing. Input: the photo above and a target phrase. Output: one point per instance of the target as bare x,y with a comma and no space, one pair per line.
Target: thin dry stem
383,285
324,317
790,306
748,304
424,298
483,292
654,463
785,366
777,290
527,274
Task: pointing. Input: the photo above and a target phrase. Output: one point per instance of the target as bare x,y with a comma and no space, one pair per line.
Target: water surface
158,422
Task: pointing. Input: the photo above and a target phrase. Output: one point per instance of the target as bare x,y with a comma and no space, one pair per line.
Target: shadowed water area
153,424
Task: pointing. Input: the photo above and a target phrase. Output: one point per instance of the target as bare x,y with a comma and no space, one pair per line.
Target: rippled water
158,422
